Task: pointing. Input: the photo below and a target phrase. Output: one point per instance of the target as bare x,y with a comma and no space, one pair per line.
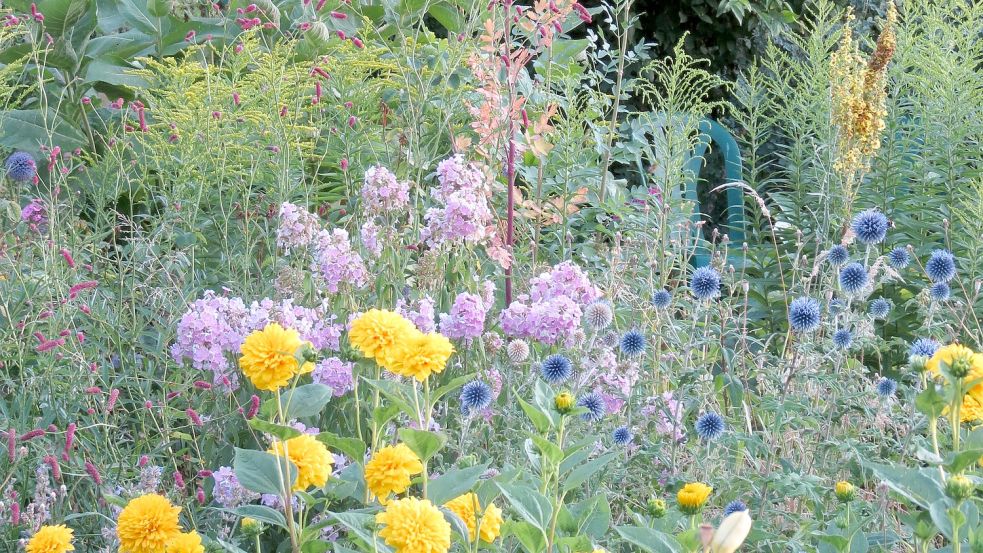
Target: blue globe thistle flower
709,426
622,435
941,266
886,387
21,166
556,368
804,314
923,347
899,258
853,278
735,506
594,404
837,255
705,283
661,299
870,226
475,396
879,308
842,338
632,343
940,291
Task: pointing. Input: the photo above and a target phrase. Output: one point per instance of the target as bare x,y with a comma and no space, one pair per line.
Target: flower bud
656,507
919,363
251,527
959,487
563,402
845,491
731,533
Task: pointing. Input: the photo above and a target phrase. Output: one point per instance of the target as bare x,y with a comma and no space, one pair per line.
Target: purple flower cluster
335,374
35,214
669,412
369,233
466,319
551,311
463,214
212,327
337,262
382,192
298,227
228,492
421,313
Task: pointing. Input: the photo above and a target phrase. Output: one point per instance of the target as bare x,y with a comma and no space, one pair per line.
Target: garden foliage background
517,181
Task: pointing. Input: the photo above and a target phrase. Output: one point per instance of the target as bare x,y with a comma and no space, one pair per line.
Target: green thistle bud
919,363
657,507
959,487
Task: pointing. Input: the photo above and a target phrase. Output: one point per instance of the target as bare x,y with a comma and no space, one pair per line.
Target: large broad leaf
580,474
454,483
425,444
352,447
361,524
533,539
649,540
108,70
915,485
304,401
533,506
61,16
28,129
278,430
259,471
262,513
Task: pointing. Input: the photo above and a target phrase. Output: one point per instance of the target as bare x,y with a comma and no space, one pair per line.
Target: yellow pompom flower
693,496
421,355
312,458
390,471
189,542
377,334
414,525
51,539
147,524
468,509
268,357
962,359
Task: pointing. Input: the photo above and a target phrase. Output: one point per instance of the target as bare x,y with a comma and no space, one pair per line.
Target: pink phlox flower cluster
212,327
463,213
369,233
298,227
466,319
315,325
550,321
564,279
337,262
668,412
421,313
335,374
382,192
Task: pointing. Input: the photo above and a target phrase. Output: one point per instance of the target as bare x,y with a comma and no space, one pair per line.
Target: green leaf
361,523
915,485
581,473
261,513
258,471
280,431
649,540
531,505
956,463
396,392
305,401
454,483
930,402
424,443
352,447
454,384
28,129
541,421
533,539
551,451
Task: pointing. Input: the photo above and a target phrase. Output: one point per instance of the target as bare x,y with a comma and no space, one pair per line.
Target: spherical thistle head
661,299
842,338
804,314
598,315
20,167
518,351
622,436
709,426
940,292
705,283
845,491
476,395
837,255
924,347
941,266
564,402
853,278
886,387
870,226
632,343
734,506
879,308
594,404
899,258
556,369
